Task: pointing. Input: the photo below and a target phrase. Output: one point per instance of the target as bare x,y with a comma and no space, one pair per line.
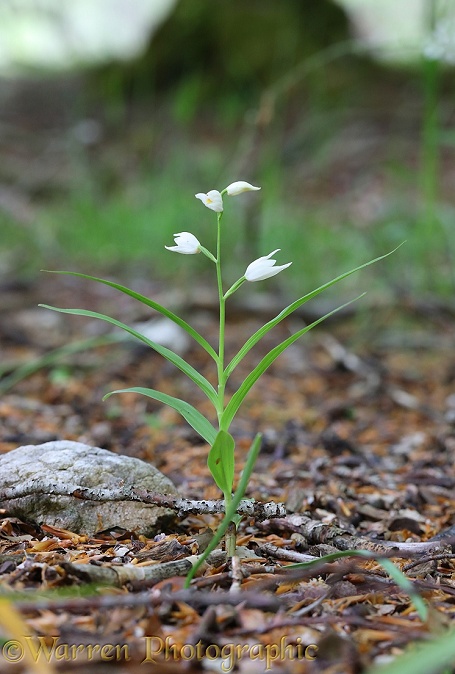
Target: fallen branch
248,599
182,506
318,533
120,575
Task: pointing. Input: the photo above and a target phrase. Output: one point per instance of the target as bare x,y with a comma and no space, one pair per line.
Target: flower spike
186,244
238,187
212,200
263,268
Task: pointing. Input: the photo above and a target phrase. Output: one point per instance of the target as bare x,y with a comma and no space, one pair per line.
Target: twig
428,558
314,604
284,555
237,574
248,598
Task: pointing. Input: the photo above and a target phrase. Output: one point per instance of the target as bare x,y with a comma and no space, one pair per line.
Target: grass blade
425,658
331,557
25,370
406,585
394,572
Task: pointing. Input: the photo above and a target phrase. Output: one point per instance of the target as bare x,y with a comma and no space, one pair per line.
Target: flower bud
238,187
187,244
264,267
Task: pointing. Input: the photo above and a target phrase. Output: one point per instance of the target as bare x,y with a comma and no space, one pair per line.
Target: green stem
234,287
430,152
222,300
207,253
230,539
231,531
230,510
430,146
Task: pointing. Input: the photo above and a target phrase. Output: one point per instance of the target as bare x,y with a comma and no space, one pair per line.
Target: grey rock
68,465
165,332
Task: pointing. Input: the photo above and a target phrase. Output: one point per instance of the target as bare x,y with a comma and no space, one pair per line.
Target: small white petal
240,186
212,200
267,257
187,244
264,268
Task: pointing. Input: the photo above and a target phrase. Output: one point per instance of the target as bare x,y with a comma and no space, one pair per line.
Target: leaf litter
358,442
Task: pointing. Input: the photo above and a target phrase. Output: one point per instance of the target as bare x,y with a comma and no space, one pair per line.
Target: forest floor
358,423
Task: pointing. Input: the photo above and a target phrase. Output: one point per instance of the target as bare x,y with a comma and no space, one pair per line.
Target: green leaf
231,509
254,339
394,572
150,303
406,585
195,419
239,395
221,461
425,658
331,557
174,358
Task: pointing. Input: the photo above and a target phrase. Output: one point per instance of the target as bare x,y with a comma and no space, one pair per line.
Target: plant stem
430,151
234,287
430,146
230,539
220,363
231,509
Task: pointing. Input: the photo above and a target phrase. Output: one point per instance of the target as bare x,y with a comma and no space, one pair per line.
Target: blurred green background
114,114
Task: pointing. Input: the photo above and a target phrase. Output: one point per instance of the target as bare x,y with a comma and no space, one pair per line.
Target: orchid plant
221,460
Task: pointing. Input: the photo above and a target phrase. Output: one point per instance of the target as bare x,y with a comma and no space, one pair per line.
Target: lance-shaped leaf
195,419
150,303
254,339
174,358
221,461
239,395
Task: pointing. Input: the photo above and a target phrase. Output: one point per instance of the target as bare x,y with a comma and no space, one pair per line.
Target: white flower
212,200
263,268
440,45
238,187
187,244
